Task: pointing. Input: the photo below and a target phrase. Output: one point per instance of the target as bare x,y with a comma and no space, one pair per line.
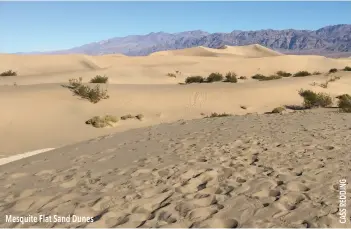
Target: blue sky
45,26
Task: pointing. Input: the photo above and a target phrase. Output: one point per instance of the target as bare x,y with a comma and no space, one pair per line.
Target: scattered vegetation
101,122
272,77
99,79
258,77
333,70
243,77
230,77
301,74
94,94
243,107
278,110
214,77
215,115
332,79
344,103
171,75
194,79
125,117
316,73
312,99
139,116
347,69
8,73
129,116
283,74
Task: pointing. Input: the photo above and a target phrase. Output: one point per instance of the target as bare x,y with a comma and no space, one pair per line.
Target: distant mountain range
332,40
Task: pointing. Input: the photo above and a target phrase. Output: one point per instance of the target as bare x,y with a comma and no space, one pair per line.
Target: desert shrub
139,116
347,68
94,95
101,122
74,83
214,77
334,78
99,79
214,115
312,99
194,79
128,116
278,110
243,77
333,70
8,73
231,77
324,85
316,73
272,77
171,75
344,103
258,76
283,74
301,74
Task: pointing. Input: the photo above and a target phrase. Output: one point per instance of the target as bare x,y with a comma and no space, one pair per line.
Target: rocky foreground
240,171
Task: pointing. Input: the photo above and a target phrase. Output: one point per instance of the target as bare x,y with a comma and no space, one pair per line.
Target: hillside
330,40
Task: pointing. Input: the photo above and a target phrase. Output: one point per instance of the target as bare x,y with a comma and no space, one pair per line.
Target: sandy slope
243,171
49,116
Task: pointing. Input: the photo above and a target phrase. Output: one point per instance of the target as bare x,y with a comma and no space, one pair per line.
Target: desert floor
248,170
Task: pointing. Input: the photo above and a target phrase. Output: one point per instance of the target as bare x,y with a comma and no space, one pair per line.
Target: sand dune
168,170
248,51
244,171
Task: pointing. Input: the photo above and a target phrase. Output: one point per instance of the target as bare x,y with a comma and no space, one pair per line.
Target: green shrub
344,103
278,110
231,77
258,77
101,122
333,70
94,95
272,77
283,74
347,68
302,74
9,73
312,99
194,79
99,79
214,77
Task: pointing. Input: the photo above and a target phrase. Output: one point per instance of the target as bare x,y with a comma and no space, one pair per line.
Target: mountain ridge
328,40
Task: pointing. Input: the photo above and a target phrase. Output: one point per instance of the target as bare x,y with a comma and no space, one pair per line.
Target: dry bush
101,122
215,115
243,77
139,116
312,99
128,116
283,74
278,110
316,73
8,73
333,70
272,77
258,77
94,94
230,77
301,74
214,77
99,79
344,103
171,75
194,79
347,68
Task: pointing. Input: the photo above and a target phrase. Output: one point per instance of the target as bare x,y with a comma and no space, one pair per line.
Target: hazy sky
45,26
